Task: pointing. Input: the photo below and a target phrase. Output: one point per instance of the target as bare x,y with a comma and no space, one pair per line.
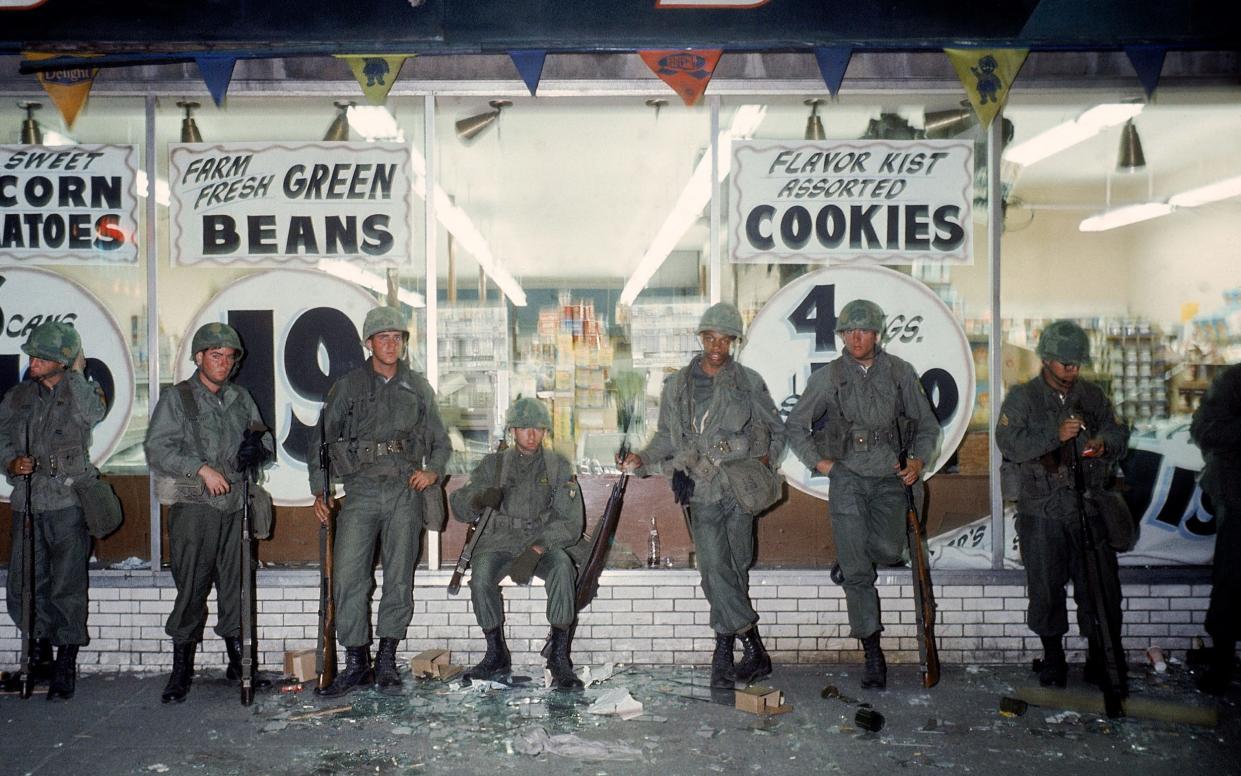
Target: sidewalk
117,725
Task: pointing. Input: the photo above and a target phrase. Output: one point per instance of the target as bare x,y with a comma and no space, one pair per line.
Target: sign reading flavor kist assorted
75,204
290,203
874,201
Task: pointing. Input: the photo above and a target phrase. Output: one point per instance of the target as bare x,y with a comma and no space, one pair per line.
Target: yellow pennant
987,75
375,74
68,86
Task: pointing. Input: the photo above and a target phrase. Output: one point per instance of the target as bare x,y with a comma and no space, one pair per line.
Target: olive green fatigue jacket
1216,429
60,422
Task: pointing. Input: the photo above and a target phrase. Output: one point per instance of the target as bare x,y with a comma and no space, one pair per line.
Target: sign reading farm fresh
878,201
68,204
291,203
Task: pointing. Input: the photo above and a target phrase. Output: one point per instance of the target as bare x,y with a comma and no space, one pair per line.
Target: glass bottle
652,546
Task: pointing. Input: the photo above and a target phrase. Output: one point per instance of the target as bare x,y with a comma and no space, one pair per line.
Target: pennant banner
987,75
375,74
529,65
217,73
68,87
687,72
1148,62
833,61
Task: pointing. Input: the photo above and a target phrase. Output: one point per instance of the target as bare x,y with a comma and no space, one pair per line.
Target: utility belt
834,444
704,459
192,489
1035,479
515,523
352,456
64,465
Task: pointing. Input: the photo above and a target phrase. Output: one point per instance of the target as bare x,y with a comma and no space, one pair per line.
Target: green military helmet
528,413
381,319
1064,341
861,314
54,341
722,317
216,335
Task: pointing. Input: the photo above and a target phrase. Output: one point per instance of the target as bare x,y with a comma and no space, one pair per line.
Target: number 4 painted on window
817,315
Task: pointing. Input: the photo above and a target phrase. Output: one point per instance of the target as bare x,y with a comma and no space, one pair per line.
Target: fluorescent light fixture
1070,133
1123,216
352,273
374,122
1212,192
693,199
163,194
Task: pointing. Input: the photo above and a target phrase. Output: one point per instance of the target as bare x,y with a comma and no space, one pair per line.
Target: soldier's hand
522,569
217,484
913,469
324,509
21,466
1095,447
630,463
1070,427
489,498
422,479
824,466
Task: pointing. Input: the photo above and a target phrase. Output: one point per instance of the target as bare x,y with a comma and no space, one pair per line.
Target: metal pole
995,340
151,251
714,257
432,281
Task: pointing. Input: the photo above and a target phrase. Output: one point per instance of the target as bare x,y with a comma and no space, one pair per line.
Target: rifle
1099,628
28,582
325,651
475,531
248,645
924,595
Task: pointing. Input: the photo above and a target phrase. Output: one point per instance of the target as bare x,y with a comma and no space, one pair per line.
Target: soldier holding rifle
857,400
387,443
538,513
45,430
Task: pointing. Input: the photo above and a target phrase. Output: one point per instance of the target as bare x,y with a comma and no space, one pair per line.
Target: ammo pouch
100,506
1118,525
755,485
434,508
179,490
260,512
1010,481
68,464
832,441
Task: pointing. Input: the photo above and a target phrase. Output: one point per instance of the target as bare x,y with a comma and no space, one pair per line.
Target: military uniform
1216,429
705,424
52,426
192,427
1048,523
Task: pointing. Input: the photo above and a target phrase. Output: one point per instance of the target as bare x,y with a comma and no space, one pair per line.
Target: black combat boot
1053,669
1218,676
497,661
387,677
42,661
65,676
876,673
558,661
232,645
755,663
182,673
722,661
357,673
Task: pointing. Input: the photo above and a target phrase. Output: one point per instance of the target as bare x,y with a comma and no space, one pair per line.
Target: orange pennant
68,86
687,72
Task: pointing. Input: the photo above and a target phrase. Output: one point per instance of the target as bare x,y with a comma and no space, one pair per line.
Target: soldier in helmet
716,418
1043,425
538,513
388,444
198,445
857,401
45,432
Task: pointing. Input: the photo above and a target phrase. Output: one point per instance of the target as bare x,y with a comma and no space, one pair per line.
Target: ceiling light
1130,158
470,127
338,130
352,273
30,128
375,123
814,125
1123,216
189,128
1070,133
1212,192
940,124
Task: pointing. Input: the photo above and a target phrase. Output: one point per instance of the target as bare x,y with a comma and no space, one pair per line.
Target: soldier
858,399
716,418
388,444
1217,430
45,431
539,512
1044,424
199,443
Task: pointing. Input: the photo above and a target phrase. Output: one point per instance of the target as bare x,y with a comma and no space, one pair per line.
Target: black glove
251,453
522,569
682,487
490,497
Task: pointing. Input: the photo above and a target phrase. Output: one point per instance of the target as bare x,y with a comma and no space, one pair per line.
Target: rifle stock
325,652
247,593
475,531
28,582
924,594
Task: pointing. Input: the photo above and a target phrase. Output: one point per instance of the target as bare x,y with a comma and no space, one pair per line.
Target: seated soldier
538,513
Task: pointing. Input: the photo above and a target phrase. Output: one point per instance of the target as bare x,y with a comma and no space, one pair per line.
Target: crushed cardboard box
433,664
300,664
762,700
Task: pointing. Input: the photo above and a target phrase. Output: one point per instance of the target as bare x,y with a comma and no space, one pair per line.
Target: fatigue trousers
205,549
555,568
724,548
61,554
1223,621
1053,552
390,512
868,524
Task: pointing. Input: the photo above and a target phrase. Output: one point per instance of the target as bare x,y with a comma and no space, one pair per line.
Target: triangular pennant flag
987,75
375,74
529,65
217,73
687,72
68,87
1148,62
833,61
